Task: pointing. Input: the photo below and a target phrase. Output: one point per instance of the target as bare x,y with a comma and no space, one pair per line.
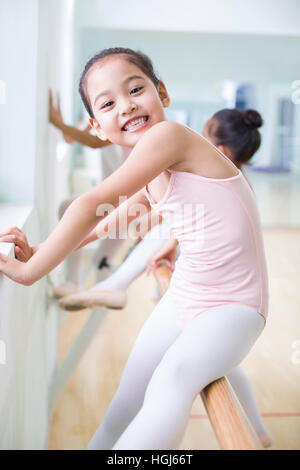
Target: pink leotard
222,258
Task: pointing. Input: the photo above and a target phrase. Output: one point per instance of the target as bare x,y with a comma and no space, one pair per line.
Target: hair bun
252,118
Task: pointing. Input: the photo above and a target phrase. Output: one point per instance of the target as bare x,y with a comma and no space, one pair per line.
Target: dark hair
237,130
135,57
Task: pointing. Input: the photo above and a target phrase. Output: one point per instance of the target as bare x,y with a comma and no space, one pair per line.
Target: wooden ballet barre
227,417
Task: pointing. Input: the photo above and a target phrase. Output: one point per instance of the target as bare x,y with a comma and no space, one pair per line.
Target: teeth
135,123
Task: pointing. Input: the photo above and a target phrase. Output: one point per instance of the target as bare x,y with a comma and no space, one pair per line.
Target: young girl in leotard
216,306
234,132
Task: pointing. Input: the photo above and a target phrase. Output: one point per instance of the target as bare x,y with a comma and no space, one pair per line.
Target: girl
234,133
217,303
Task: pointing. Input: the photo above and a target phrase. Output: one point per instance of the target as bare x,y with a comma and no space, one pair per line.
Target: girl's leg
209,347
158,333
242,387
112,291
104,256
136,262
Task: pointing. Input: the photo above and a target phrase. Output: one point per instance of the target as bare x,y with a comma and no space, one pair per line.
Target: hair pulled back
237,129
137,58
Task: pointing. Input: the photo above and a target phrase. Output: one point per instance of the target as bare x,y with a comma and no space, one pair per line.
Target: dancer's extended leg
243,389
104,255
210,346
112,291
136,262
155,337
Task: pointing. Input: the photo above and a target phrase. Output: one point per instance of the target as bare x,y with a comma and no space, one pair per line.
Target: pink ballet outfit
222,259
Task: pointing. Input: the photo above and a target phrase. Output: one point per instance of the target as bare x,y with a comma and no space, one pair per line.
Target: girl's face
125,102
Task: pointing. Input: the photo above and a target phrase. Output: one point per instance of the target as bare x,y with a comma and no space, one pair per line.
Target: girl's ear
163,94
96,126
225,150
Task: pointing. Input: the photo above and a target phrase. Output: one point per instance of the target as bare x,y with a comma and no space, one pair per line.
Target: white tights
136,262
166,370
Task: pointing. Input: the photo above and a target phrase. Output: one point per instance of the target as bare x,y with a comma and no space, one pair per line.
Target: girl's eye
138,89
134,90
107,104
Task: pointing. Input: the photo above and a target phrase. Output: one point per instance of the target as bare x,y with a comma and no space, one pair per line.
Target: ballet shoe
266,439
66,289
115,299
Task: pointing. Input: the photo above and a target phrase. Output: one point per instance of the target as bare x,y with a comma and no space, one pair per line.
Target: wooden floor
273,365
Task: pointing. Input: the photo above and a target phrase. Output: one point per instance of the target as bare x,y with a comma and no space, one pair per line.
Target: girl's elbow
27,280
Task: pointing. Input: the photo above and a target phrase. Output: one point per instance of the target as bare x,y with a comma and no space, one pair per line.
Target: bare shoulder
164,142
182,136
168,129
169,136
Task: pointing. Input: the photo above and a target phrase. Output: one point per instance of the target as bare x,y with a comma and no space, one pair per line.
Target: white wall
37,35
36,53
25,329
230,16
55,55
18,59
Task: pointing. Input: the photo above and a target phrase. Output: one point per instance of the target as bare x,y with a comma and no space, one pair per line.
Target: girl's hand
166,252
23,251
14,269
55,116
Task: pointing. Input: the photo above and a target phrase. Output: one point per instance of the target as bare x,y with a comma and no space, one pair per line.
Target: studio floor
273,365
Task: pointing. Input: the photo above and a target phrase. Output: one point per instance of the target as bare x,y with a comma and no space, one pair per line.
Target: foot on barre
114,299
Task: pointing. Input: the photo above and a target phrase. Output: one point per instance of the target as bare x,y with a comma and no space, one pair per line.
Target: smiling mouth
135,124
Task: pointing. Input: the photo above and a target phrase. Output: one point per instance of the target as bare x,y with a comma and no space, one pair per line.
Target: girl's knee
171,373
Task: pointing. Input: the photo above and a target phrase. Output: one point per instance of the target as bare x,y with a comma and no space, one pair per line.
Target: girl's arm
134,207
83,137
71,133
166,252
119,218
147,160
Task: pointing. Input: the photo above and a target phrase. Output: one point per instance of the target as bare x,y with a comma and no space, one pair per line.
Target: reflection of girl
217,302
